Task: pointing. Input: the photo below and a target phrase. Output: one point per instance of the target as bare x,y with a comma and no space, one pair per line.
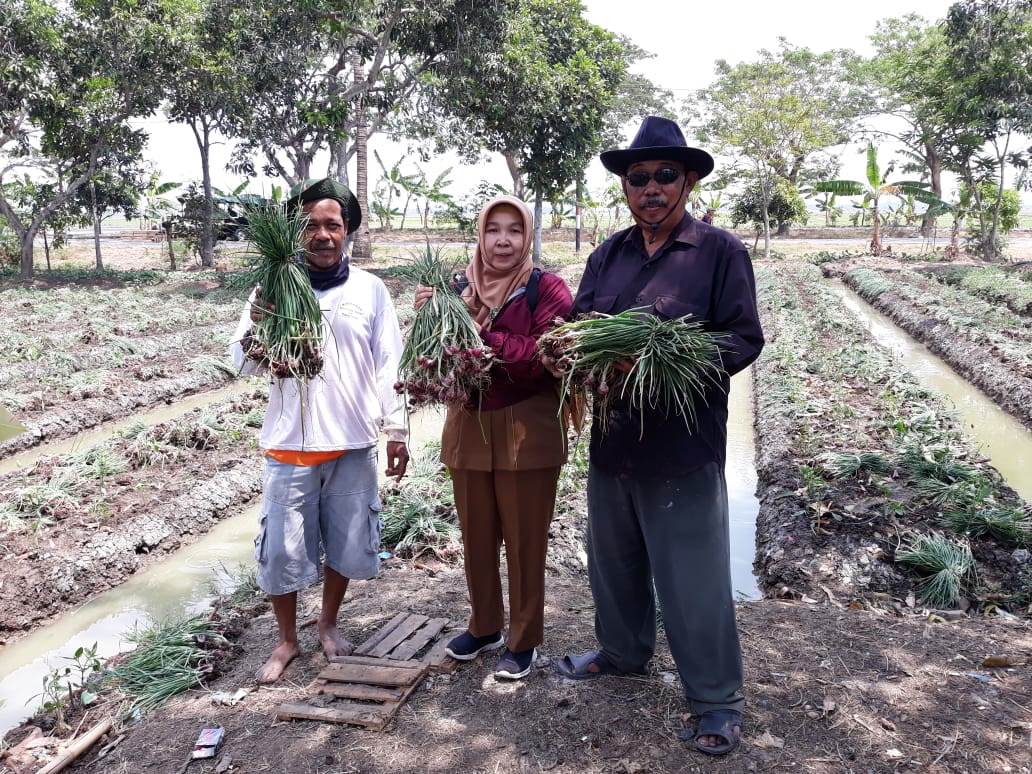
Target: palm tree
395,182
873,189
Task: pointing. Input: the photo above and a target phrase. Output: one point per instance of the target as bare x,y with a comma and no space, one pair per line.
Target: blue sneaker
466,647
513,666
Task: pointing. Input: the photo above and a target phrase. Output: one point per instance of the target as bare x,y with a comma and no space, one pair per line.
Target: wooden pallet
368,687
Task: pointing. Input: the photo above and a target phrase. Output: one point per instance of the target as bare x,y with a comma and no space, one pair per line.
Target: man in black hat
320,514
657,499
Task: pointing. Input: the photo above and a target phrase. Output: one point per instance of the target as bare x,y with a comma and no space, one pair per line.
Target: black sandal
579,667
720,722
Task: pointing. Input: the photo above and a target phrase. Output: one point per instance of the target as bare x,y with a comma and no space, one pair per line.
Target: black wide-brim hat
658,139
313,190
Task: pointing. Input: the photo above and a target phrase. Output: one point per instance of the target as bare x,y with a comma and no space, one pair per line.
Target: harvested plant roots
444,360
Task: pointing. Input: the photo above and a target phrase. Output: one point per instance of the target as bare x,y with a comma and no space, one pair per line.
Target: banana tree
394,183
828,204
873,189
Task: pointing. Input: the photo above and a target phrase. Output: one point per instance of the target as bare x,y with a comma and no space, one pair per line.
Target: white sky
686,38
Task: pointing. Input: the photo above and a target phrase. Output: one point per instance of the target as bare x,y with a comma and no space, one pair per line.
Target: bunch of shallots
444,360
652,363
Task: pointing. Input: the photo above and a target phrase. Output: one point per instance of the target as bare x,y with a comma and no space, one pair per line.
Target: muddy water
110,429
182,584
1002,438
740,473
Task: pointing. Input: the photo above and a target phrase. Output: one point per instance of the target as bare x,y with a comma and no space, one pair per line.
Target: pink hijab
490,287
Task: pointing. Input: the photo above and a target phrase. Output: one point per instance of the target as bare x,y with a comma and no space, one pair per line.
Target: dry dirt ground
829,690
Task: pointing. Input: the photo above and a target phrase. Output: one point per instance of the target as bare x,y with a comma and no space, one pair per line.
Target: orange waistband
292,457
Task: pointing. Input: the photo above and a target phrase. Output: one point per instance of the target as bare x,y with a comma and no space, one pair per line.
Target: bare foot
272,669
333,642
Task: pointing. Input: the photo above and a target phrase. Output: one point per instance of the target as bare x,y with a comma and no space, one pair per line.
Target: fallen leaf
767,741
828,705
893,753
911,599
991,662
887,724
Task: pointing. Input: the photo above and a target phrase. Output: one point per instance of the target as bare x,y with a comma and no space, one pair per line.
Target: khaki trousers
514,507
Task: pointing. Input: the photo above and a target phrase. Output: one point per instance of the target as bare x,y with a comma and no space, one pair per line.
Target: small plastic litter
208,742
384,555
227,699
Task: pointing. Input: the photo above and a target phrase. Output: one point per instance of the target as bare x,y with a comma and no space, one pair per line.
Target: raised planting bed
76,357
1012,289
857,462
74,525
986,343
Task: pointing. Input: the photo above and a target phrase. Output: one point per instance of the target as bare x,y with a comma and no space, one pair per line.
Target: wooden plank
368,715
369,660
439,661
380,633
364,692
392,709
370,675
399,635
420,639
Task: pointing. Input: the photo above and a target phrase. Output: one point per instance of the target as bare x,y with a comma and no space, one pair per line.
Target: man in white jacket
320,503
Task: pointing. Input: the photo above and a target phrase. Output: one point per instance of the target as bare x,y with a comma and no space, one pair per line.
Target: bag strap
533,291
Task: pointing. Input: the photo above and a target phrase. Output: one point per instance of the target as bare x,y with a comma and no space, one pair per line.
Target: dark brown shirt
701,270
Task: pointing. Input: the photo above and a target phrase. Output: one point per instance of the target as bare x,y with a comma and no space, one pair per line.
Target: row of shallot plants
863,431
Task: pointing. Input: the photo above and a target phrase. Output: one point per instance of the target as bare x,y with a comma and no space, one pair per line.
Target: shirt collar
687,231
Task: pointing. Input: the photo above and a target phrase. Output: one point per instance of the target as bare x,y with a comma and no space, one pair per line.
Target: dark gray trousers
675,532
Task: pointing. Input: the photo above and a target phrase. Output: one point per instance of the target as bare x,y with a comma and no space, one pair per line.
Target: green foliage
944,566
419,514
542,100
869,283
981,207
984,99
169,658
849,465
786,206
999,286
70,91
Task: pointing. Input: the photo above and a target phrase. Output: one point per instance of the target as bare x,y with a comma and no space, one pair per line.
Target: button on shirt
703,271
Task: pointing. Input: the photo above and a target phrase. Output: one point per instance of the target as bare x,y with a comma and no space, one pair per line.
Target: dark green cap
312,190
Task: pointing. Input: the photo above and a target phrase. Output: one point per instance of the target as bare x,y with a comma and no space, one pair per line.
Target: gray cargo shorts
329,511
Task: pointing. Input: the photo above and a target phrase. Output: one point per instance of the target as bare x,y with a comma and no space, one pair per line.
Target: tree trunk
876,248
26,252
934,164
538,210
766,223
783,228
167,227
519,189
404,212
362,249
338,168
207,241
46,246
96,226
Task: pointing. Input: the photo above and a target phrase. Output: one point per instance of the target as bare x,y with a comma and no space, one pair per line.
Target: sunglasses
663,176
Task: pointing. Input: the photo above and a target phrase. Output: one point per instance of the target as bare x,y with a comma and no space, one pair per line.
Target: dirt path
829,690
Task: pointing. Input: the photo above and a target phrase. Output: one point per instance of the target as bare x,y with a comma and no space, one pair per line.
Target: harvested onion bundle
444,360
673,361
288,339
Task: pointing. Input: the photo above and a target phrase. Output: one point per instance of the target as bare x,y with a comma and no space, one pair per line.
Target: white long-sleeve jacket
353,397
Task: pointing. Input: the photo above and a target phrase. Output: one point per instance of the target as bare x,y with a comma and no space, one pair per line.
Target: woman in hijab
505,450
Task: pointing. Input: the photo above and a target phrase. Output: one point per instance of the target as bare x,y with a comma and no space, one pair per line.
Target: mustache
321,245
654,201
